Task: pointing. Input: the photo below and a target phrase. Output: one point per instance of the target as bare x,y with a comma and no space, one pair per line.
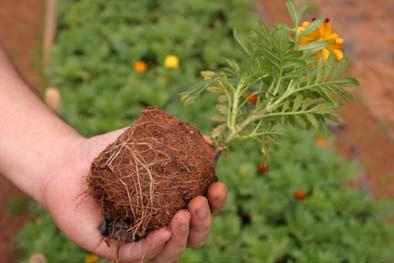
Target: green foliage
42,236
290,85
98,42
17,206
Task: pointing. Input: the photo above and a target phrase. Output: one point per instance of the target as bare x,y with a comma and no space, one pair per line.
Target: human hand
79,216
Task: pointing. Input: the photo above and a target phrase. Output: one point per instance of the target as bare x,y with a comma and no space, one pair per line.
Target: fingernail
165,234
220,196
203,212
184,227
183,223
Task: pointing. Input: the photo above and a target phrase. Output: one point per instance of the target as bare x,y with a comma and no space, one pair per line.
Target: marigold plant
294,73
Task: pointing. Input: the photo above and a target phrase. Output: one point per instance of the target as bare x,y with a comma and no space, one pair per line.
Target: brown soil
149,173
21,23
20,34
368,136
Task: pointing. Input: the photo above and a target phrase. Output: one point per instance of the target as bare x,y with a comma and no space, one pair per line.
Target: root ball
149,173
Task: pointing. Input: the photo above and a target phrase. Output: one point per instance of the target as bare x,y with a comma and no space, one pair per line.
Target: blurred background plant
111,60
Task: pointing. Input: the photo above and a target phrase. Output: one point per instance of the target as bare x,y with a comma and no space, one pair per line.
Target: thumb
95,145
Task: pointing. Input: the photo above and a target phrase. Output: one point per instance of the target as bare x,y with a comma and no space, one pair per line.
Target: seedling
289,75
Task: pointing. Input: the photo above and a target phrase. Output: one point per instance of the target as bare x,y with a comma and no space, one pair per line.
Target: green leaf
312,27
311,118
341,92
297,102
329,67
315,46
270,56
264,33
324,108
327,94
240,42
282,40
340,68
285,107
300,121
234,67
319,70
347,82
306,103
292,11
186,99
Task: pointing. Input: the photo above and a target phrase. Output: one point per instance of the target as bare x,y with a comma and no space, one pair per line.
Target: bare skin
49,161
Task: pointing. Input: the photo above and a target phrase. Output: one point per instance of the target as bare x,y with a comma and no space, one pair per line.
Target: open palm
78,216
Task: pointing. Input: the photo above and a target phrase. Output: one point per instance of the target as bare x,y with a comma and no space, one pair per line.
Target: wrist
62,158
34,142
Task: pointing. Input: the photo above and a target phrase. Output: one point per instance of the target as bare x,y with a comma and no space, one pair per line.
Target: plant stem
235,106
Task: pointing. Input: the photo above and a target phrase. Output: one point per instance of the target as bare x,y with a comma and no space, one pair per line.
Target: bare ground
20,34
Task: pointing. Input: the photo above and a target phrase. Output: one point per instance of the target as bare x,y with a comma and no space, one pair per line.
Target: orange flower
140,66
91,259
262,168
325,32
299,195
320,142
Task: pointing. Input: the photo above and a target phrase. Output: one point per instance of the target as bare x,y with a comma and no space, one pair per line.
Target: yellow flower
91,259
171,61
324,32
140,66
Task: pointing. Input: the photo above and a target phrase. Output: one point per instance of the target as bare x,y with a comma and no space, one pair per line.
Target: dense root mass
149,173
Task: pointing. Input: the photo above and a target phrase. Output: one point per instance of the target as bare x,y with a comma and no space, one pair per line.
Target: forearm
34,142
